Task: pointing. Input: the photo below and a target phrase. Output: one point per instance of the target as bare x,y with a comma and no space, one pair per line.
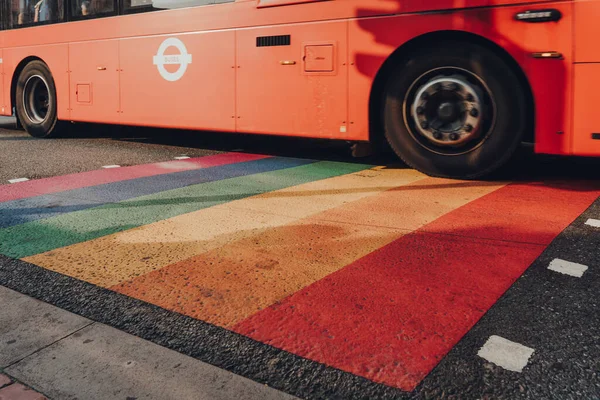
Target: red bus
452,85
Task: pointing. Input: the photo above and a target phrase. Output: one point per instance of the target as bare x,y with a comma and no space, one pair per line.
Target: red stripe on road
98,177
394,314
528,213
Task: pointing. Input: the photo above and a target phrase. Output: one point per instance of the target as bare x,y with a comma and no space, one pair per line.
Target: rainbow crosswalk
372,270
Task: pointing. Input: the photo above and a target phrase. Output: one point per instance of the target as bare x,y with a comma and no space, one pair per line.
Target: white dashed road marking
567,267
182,158
17,180
506,354
593,222
111,166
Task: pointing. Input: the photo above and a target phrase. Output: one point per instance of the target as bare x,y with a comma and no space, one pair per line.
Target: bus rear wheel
36,103
455,110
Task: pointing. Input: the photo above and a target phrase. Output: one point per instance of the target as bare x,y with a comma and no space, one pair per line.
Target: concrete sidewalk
65,356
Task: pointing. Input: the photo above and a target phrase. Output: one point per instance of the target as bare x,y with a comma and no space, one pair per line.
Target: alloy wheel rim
449,111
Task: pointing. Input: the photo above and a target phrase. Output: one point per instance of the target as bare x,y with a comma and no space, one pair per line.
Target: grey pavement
27,325
65,356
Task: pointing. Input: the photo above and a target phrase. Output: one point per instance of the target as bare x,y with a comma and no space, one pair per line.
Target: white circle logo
182,59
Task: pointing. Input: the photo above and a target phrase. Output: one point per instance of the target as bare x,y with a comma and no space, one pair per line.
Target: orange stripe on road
230,283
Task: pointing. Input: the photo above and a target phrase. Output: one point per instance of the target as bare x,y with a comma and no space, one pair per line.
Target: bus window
139,3
172,4
21,11
146,5
31,12
92,8
132,6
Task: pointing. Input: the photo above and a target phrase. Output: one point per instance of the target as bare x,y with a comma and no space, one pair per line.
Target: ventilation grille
269,41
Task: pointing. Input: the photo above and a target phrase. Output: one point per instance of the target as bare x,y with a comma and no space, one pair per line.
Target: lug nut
474,112
424,125
470,97
420,110
425,96
468,128
437,135
437,87
454,136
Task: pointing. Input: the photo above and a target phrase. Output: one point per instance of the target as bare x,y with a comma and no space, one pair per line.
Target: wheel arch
376,134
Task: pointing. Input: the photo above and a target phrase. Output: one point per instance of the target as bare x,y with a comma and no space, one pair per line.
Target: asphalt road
90,147
554,314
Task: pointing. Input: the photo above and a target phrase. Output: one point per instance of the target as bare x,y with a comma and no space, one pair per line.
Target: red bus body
323,84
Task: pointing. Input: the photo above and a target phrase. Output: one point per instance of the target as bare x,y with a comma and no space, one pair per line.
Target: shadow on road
526,166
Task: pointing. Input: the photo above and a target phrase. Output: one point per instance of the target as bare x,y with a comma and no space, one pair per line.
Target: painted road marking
252,273
182,158
53,205
547,209
18,180
392,315
35,208
220,185
151,247
111,166
593,222
103,176
504,353
298,255
567,267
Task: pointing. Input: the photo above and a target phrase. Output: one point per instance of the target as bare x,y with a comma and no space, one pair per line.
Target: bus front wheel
455,110
36,103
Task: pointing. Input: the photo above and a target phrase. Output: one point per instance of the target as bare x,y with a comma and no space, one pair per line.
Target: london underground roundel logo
182,59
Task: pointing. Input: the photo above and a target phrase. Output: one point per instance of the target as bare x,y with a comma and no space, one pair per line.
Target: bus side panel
373,40
238,14
5,108
587,30
56,58
298,88
7,74
94,81
551,80
586,121
179,81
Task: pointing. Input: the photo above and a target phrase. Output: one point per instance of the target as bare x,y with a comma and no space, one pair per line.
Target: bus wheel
36,103
455,110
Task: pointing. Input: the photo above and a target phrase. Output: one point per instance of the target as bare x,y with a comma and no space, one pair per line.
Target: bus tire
455,110
36,102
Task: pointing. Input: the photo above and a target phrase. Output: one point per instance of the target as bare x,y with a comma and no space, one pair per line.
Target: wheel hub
36,99
447,111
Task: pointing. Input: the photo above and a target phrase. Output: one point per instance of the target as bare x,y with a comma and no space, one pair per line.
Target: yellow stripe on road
116,258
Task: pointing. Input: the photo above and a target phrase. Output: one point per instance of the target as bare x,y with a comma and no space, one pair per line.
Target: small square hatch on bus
318,58
84,93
